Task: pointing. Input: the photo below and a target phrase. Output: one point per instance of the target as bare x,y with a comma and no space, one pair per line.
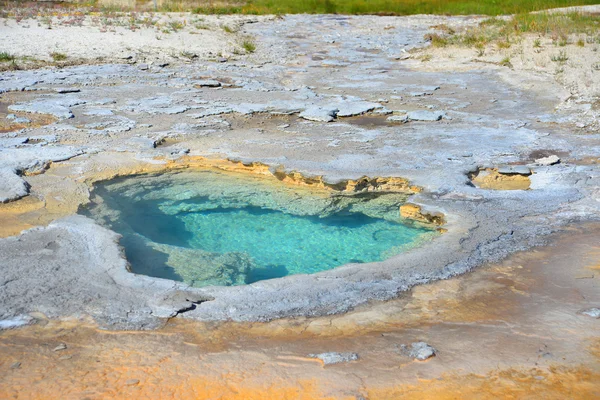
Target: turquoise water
214,229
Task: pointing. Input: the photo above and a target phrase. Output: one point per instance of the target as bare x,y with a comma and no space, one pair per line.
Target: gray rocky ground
273,107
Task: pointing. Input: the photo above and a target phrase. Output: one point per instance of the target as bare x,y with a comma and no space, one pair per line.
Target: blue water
179,228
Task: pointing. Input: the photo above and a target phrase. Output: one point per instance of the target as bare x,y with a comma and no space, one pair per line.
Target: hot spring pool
211,228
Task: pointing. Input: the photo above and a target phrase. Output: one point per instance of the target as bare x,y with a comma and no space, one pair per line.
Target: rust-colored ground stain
509,330
35,120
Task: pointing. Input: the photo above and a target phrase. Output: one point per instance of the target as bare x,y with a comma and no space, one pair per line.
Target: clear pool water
208,228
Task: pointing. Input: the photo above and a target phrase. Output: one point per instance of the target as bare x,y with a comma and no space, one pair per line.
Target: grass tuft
6,57
58,56
505,62
561,57
228,29
249,46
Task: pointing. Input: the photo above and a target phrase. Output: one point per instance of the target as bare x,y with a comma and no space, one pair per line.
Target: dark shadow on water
146,260
146,218
269,272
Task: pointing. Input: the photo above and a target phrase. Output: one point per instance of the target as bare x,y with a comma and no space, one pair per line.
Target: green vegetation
503,31
58,56
249,46
561,57
175,26
13,8
6,57
228,29
505,62
380,7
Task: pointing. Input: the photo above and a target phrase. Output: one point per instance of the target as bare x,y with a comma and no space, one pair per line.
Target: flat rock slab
422,115
397,119
593,312
12,186
319,114
350,109
75,267
546,161
335,358
207,83
420,351
57,107
514,170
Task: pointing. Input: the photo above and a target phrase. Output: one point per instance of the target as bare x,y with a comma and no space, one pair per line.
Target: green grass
249,46
561,57
503,31
6,57
228,29
279,7
505,62
58,56
175,26
382,7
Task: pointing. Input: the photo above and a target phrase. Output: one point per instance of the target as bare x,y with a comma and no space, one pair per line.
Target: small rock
60,347
402,119
546,161
420,351
404,56
591,312
143,67
350,109
514,170
207,83
67,90
162,64
382,111
319,114
222,60
335,358
425,115
284,126
19,320
132,382
62,358
15,365
99,112
17,120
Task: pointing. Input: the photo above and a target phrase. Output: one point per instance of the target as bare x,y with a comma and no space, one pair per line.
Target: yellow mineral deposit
62,197
490,178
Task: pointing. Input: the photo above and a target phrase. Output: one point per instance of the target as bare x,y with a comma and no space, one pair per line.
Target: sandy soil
152,38
535,59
